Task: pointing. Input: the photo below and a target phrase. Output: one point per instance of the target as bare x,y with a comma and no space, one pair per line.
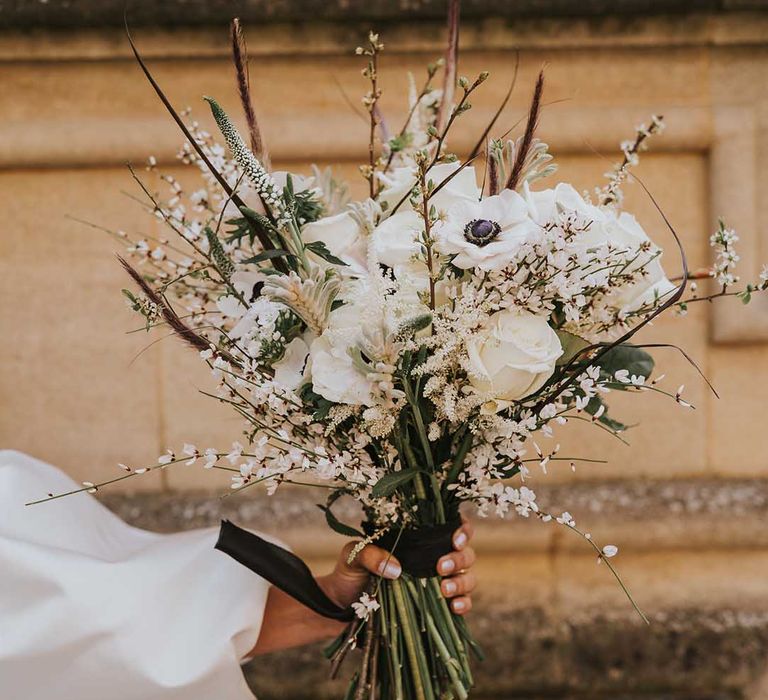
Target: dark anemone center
481,231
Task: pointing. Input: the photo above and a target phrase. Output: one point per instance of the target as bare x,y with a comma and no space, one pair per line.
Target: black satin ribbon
417,550
281,568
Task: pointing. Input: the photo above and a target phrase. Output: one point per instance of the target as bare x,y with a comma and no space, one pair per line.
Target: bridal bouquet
415,349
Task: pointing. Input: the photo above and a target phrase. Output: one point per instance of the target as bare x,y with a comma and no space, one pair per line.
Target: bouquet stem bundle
422,646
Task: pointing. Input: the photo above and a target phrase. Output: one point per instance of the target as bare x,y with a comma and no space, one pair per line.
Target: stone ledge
694,654
321,36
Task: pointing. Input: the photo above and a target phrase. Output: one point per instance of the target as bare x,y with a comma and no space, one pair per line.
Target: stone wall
687,504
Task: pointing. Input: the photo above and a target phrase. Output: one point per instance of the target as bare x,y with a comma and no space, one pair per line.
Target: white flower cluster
722,242
365,606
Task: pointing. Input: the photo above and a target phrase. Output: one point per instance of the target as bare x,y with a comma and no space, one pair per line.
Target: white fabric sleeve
92,608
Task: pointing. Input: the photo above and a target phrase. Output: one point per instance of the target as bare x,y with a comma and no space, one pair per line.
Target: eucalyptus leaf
629,357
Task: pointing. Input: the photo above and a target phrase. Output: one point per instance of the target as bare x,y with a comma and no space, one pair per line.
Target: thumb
374,560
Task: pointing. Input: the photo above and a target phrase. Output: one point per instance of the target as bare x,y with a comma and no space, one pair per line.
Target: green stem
425,446
449,662
394,644
408,629
449,619
458,460
438,499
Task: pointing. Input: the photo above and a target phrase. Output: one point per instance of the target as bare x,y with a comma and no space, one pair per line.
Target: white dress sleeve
92,608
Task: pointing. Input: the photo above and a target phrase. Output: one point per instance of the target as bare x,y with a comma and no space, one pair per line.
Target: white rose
513,357
485,234
342,236
401,181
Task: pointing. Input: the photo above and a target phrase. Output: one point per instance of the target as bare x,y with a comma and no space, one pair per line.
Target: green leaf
266,255
629,357
130,296
389,483
399,143
572,346
319,248
337,526
321,405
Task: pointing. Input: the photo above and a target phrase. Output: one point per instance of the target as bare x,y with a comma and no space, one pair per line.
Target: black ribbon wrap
417,550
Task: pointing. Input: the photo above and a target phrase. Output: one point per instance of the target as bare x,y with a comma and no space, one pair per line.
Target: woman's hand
287,623
347,582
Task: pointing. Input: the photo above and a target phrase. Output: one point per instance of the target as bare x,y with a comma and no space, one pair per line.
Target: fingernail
447,566
390,569
460,540
458,605
449,587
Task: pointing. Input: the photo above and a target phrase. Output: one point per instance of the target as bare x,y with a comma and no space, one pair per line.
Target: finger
456,561
462,605
379,561
469,526
462,536
463,584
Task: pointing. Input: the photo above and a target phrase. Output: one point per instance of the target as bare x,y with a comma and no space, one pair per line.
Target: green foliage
128,294
336,525
248,224
572,346
289,326
304,206
389,483
746,295
629,357
321,250
143,306
266,255
320,404
611,423
401,142
241,230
